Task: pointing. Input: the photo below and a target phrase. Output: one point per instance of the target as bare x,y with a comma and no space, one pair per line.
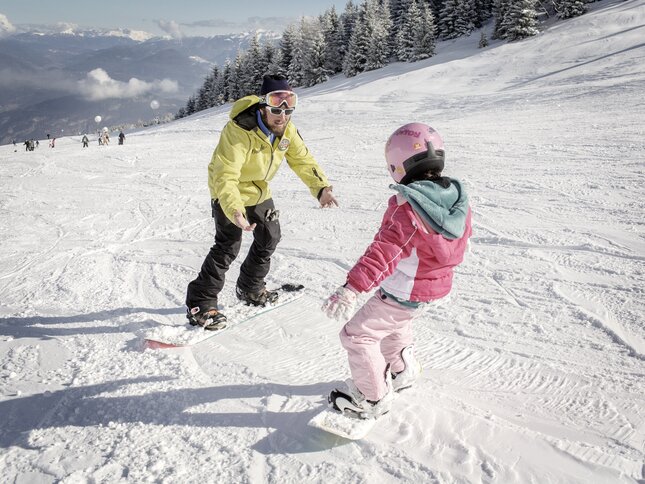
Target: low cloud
222,26
6,27
98,85
171,28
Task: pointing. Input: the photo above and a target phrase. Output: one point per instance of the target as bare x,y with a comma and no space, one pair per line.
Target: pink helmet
413,149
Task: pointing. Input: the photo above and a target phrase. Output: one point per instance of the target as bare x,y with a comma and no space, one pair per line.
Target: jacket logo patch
284,144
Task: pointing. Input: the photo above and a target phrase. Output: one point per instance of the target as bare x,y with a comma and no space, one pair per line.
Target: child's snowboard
349,427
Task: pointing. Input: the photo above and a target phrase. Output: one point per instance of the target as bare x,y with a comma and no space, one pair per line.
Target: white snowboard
352,428
174,336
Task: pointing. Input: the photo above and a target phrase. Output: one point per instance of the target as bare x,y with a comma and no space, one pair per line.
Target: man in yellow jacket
251,148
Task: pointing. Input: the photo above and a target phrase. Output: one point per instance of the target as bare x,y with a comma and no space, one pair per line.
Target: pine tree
253,68
448,19
316,71
500,11
465,17
191,106
368,45
333,38
286,48
207,95
201,101
379,25
436,6
235,80
296,70
569,8
483,11
356,56
398,10
483,41
424,34
398,14
348,22
404,40
225,83
520,20
272,59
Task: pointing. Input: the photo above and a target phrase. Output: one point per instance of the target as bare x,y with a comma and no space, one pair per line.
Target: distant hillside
40,75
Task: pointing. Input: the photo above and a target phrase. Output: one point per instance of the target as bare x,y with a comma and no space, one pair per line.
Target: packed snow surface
534,371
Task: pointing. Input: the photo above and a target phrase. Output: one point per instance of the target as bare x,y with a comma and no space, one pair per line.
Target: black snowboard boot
261,298
210,319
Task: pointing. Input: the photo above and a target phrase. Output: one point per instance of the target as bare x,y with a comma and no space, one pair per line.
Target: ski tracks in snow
533,371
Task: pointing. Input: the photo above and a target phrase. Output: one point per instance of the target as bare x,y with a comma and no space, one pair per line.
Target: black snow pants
203,291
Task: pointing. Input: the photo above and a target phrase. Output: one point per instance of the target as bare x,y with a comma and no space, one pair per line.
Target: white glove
340,305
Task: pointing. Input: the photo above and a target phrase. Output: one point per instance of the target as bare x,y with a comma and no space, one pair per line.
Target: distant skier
423,235
86,141
257,139
121,138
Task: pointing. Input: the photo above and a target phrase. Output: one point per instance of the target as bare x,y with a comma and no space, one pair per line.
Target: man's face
277,123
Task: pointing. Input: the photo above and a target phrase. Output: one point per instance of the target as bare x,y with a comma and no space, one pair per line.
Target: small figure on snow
86,141
252,146
121,138
423,235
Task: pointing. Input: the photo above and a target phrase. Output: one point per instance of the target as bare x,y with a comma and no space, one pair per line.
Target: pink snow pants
375,337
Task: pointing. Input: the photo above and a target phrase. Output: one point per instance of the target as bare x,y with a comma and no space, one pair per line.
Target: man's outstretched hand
327,199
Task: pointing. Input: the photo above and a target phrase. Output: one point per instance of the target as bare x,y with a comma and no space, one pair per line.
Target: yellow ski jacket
245,161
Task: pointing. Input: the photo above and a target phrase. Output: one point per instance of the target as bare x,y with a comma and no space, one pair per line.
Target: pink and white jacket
409,257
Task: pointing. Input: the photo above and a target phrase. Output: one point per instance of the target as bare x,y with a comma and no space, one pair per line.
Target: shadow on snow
89,406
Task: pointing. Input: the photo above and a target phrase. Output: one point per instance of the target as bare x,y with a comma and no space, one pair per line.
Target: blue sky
188,17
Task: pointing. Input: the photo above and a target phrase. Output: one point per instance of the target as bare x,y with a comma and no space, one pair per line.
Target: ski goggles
279,111
275,99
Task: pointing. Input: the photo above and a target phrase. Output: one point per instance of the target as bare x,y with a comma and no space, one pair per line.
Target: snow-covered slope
534,372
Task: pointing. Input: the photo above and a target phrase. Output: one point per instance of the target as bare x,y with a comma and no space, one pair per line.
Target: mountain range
57,83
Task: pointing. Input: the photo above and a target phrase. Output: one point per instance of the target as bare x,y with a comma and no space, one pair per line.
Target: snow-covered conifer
348,21
316,71
424,33
520,20
295,71
404,40
570,8
252,68
465,17
448,19
286,47
483,41
333,38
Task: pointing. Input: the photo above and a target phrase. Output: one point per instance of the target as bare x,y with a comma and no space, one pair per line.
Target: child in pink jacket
423,235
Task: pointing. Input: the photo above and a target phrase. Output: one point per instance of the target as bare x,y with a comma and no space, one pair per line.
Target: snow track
533,372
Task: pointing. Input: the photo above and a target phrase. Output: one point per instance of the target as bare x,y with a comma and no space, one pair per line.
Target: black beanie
273,82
